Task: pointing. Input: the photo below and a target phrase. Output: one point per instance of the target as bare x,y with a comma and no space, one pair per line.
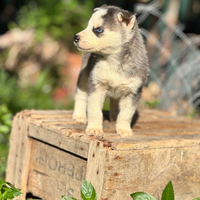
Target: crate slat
53,173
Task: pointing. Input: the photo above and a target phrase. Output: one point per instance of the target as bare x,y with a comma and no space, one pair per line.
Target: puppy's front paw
94,131
125,132
80,119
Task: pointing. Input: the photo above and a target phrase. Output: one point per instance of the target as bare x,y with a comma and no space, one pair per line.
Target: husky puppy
114,64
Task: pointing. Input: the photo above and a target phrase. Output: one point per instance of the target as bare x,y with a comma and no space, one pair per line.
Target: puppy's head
108,29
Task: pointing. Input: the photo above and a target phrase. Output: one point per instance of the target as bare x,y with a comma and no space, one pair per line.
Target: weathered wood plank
154,142
150,170
19,152
60,140
95,166
54,173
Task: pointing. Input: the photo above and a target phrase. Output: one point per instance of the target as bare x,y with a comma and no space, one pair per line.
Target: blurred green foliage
60,19
5,128
37,96
152,104
193,114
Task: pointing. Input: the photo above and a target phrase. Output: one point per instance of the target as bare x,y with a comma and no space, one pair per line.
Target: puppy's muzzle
76,38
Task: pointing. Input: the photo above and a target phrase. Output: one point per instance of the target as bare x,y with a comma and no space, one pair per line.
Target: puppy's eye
99,30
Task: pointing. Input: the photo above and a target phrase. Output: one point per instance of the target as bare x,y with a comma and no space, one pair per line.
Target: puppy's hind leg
127,106
114,109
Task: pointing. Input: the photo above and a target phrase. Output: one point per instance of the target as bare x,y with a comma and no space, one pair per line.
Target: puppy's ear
103,6
128,21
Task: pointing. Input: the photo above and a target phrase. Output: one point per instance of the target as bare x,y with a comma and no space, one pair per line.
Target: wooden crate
50,155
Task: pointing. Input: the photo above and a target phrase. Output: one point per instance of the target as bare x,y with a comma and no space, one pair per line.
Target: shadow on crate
134,119
30,196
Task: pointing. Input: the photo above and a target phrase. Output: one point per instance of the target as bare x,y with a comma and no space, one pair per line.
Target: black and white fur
114,64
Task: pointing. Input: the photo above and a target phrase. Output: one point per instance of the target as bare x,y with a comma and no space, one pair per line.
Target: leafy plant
168,194
87,192
8,191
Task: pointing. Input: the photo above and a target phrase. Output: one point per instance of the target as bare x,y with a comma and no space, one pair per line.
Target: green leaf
198,198
1,196
17,193
142,196
68,198
8,191
10,194
12,186
2,183
87,191
168,193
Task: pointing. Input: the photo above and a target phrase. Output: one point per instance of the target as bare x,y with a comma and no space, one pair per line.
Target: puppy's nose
76,38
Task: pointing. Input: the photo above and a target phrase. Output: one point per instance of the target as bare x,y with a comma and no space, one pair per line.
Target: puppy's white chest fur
111,76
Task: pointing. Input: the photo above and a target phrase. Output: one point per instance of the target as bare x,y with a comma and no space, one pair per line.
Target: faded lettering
79,175
71,171
70,192
61,187
53,163
62,167
42,159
